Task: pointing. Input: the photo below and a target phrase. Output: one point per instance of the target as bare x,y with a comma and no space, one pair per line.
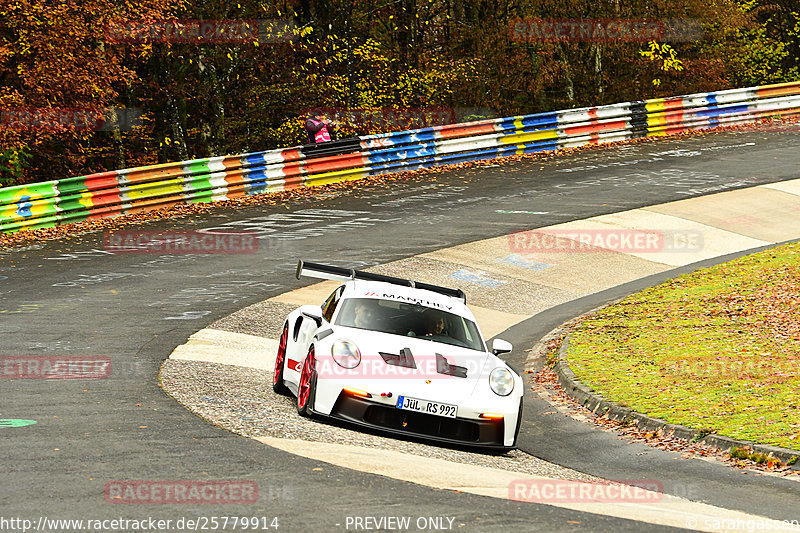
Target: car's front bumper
483,433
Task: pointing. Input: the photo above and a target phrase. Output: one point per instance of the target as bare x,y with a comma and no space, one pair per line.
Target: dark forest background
183,100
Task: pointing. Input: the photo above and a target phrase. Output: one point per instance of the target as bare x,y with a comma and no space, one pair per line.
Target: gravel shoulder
241,400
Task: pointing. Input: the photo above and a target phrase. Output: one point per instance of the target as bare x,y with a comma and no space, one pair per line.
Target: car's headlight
346,354
501,380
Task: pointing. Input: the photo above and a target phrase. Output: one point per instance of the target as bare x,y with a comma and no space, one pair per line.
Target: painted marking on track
85,279
189,315
444,193
478,278
507,212
22,308
651,158
15,423
227,291
232,291
81,256
520,261
675,178
54,346
302,224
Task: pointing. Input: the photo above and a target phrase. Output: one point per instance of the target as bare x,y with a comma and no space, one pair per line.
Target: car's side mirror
313,312
500,346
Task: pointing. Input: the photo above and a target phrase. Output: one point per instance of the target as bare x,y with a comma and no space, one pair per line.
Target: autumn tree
55,67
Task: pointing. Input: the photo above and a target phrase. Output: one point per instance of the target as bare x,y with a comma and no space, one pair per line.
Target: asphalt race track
73,298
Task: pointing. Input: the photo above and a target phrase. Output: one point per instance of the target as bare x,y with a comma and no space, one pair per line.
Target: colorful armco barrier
133,190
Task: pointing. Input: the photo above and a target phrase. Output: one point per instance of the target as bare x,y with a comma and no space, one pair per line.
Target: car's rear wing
316,270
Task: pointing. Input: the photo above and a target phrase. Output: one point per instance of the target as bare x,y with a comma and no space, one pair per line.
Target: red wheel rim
305,380
281,355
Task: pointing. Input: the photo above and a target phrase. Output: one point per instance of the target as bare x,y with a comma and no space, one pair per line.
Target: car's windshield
410,320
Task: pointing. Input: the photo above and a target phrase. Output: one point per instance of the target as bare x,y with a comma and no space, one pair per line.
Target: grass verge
715,350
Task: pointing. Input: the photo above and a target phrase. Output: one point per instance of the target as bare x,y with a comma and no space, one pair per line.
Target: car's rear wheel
277,376
305,391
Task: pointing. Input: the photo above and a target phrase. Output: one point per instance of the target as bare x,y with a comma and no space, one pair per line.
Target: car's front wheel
305,391
277,376
519,424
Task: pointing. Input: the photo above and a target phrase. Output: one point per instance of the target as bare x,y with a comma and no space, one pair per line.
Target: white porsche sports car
400,356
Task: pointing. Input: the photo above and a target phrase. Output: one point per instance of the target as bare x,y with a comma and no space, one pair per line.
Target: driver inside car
364,315
434,323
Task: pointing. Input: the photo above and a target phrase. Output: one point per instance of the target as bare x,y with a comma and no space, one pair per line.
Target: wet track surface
73,298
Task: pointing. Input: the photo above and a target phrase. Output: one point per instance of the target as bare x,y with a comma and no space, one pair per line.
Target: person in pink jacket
317,128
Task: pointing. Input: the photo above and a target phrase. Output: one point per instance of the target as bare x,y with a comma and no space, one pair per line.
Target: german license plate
425,406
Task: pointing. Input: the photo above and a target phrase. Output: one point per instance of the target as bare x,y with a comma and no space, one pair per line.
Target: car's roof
389,291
